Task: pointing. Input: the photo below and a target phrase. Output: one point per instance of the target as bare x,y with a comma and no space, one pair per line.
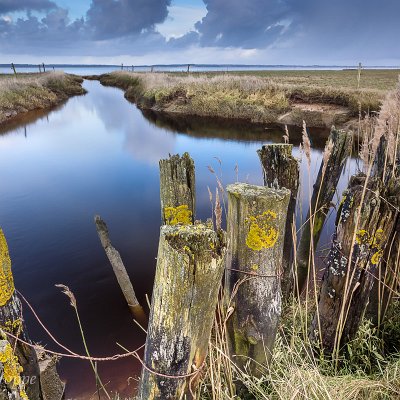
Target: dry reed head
66,290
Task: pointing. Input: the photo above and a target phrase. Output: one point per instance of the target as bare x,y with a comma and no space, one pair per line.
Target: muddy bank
267,105
32,92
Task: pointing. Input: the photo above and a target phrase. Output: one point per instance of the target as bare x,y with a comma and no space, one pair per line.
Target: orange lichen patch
11,367
362,237
377,257
374,242
263,232
13,326
6,278
178,215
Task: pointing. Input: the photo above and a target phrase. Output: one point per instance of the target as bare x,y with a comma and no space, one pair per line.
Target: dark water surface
98,154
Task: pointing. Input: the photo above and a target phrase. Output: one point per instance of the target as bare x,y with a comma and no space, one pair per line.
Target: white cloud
181,19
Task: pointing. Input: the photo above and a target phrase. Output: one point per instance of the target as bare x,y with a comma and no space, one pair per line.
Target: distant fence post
40,69
281,170
347,285
337,150
13,68
190,265
11,321
256,229
177,190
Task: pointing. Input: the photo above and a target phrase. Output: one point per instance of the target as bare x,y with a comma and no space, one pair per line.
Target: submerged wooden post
119,271
17,359
337,149
281,170
346,286
190,265
177,190
256,230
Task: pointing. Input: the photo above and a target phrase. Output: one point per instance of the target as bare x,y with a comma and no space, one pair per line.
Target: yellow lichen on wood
6,278
11,369
263,232
178,215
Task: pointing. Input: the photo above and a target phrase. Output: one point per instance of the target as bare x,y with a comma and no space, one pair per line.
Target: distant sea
82,69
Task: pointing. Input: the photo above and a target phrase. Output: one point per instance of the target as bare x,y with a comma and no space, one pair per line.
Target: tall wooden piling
281,170
256,229
336,152
190,265
177,190
347,285
17,359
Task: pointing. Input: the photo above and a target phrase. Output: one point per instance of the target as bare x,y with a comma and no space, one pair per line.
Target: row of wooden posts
259,263
257,256
42,68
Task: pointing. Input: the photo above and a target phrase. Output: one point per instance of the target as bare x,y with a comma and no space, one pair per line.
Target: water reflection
98,154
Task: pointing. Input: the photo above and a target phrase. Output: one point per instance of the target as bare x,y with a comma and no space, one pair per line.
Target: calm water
98,154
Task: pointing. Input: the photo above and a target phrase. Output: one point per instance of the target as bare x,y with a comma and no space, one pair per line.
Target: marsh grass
35,91
256,97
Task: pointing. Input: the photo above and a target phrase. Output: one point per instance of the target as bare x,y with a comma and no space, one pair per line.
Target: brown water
98,154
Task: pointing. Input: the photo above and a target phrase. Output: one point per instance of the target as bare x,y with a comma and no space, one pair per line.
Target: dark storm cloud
110,28
117,18
7,6
238,23
359,26
306,30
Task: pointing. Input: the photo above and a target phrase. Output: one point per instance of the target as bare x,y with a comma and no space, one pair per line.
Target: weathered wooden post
16,358
337,150
387,279
13,68
190,265
256,230
120,271
40,69
177,190
347,285
281,170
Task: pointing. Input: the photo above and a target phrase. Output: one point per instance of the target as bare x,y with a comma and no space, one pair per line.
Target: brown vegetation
255,97
32,91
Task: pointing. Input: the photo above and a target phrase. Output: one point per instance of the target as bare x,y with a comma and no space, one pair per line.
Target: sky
138,32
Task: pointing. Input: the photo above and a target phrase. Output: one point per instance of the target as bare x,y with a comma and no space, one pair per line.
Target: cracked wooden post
177,190
22,363
256,229
388,278
281,170
120,271
190,265
337,150
346,286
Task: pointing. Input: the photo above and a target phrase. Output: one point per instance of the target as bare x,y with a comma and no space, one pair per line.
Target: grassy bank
321,98
35,91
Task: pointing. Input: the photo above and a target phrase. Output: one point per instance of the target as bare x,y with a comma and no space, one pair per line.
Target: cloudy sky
326,32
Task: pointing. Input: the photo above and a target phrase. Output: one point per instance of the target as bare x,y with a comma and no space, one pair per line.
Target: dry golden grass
255,96
35,91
